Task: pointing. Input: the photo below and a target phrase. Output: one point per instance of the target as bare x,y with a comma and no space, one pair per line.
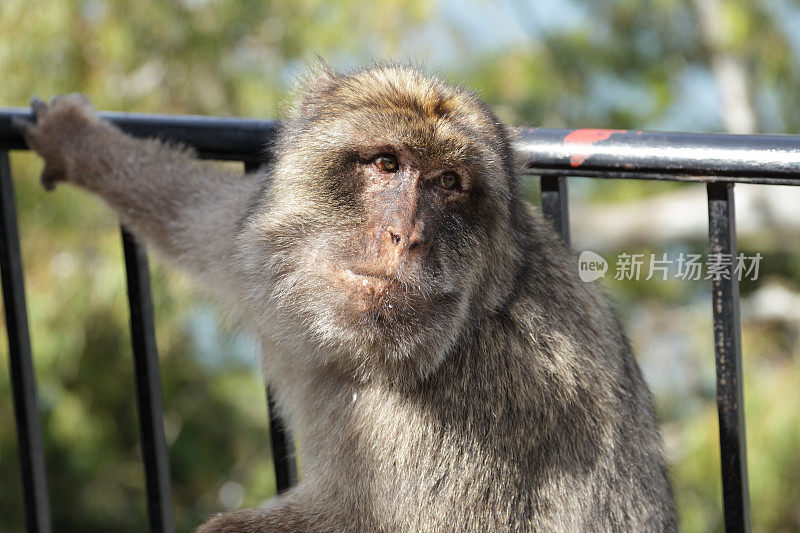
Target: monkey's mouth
371,289
369,283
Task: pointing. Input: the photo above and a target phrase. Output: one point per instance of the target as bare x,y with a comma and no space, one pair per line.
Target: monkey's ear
323,68
319,81
518,159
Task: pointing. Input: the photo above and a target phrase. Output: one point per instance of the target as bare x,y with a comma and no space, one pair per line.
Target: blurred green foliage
595,63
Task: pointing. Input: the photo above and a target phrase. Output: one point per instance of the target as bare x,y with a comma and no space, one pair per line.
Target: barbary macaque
425,332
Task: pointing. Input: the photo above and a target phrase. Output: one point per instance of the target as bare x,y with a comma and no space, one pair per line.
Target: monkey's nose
395,237
403,241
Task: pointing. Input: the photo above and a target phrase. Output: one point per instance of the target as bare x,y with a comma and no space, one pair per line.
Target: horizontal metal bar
661,155
23,379
148,387
768,159
215,137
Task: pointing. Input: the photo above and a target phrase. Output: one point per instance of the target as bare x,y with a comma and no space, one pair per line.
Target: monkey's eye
448,180
386,162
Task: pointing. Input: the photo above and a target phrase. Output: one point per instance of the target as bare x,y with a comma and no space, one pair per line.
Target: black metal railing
717,160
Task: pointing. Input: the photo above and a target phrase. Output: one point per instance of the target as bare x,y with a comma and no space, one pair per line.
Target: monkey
426,335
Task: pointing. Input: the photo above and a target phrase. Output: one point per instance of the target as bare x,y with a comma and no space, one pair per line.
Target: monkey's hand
61,131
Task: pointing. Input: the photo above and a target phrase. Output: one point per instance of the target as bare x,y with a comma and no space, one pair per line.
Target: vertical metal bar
282,446
555,205
728,354
23,380
148,387
251,165
282,449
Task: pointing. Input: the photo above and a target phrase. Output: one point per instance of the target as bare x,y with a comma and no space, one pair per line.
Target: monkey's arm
305,508
188,209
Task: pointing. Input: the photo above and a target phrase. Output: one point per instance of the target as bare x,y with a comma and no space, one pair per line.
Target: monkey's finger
26,127
50,177
79,98
22,124
39,107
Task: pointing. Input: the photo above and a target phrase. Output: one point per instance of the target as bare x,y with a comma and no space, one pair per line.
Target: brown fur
433,350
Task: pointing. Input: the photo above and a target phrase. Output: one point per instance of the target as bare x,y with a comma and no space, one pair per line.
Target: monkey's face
387,210
407,241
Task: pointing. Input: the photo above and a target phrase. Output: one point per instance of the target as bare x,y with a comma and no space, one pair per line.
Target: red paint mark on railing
586,137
